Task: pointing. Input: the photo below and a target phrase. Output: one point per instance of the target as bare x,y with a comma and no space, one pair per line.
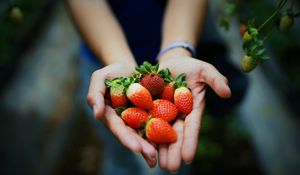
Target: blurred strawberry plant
254,36
20,21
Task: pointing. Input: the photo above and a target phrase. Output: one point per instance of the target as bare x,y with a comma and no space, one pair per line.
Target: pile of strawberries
150,100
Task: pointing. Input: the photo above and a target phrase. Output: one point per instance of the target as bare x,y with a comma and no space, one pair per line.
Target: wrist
178,48
176,52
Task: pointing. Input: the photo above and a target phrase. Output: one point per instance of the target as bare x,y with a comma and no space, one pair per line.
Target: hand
198,75
107,115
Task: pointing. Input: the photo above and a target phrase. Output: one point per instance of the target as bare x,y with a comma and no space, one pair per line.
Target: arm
101,31
103,34
183,22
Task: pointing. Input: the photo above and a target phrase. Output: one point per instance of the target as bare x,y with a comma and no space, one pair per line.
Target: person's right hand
107,115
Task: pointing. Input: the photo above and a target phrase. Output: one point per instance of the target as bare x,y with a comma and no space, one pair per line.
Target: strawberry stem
147,68
108,83
166,75
179,82
279,7
120,109
144,124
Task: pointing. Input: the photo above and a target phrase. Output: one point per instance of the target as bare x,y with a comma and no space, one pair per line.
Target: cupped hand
198,75
107,115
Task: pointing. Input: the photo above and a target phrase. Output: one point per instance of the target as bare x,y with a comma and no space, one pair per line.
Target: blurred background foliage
20,21
225,144
225,148
283,47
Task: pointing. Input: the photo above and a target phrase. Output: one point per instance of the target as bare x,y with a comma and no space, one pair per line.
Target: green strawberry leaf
260,42
260,52
137,68
179,82
180,77
230,8
166,75
108,83
120,109
253,47
264,58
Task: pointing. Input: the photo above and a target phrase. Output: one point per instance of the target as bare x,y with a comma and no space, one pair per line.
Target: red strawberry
117,92
154,83
139,96
134,117
183,100
168,92
160,131
163,109
151,80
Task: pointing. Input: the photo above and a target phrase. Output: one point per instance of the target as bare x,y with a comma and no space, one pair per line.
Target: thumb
95,97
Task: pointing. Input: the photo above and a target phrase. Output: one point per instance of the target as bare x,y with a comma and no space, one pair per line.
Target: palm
107,115
198,74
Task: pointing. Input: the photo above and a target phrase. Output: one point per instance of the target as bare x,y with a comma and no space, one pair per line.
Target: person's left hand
198,75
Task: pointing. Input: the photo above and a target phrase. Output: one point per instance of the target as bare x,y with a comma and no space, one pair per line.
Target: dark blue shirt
141,21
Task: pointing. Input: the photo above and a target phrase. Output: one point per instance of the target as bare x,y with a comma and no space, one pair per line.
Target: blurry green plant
254,38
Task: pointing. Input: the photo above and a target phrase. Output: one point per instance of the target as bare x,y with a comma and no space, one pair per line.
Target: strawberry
246,37
286,21
163,109
250,34
249,63
16,15
117,92
133,117
183,98
168,92
159,131
151,80
139,96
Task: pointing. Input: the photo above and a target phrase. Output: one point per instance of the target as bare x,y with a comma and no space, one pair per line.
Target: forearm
100,30
183,21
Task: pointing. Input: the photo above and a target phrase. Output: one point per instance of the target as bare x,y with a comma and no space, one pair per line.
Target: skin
182,22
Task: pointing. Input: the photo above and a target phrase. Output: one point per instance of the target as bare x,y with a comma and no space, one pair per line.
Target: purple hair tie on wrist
181,44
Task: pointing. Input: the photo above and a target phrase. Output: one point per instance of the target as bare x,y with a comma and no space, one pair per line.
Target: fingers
148,150
128,137
192,127
95,97
121,131
215,80
174,151
163,155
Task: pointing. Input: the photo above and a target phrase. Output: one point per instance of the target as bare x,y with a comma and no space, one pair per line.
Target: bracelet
181,44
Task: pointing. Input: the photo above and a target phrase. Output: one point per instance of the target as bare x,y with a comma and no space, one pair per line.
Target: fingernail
152,158
136,153
188,163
